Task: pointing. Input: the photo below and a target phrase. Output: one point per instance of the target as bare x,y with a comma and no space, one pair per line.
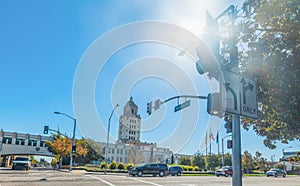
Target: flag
217,138
211,136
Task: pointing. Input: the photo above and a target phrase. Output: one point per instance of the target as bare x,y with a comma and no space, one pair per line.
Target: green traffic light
46,129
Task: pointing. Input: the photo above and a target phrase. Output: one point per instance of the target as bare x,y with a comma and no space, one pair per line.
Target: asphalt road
43,177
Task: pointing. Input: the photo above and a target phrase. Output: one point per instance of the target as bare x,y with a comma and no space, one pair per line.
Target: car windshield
226,167
22,159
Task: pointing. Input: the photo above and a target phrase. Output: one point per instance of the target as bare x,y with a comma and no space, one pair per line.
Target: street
77,177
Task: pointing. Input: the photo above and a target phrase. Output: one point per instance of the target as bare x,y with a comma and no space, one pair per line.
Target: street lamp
283,156
223,161
108,129
73,138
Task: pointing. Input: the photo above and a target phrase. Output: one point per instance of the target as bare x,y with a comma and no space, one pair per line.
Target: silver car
276,173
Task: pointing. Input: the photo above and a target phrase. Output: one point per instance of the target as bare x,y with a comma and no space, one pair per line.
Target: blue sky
43,44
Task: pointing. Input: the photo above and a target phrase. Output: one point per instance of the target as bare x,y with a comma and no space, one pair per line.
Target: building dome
131,109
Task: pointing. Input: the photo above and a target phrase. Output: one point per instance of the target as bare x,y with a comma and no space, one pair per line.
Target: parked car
175,170
154,169
276,172
21,162
224,171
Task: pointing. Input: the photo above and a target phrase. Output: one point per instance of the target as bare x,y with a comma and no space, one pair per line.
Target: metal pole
73,144
107,140
236,151
73,138
283,160
223,152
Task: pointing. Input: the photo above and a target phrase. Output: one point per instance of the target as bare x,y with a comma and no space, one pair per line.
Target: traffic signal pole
236,127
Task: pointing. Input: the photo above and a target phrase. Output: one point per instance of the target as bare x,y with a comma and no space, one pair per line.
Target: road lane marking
108,183
145,181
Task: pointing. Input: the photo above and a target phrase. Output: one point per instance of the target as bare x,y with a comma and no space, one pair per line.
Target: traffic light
229,144
73,149
214,106
209,51
228,124
149,108
212,35
46,128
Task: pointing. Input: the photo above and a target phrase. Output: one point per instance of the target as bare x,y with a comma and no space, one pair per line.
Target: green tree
269,34
214,161
95,152
261,162
198,160
227,159
184,160
247,161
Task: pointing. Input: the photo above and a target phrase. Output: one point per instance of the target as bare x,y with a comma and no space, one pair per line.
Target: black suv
154,169
175,170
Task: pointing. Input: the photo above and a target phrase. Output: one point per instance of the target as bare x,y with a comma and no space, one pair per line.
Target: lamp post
108,129
283,156
73,138
223,161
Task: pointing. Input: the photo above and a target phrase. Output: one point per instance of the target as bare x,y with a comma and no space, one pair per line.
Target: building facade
128,148
129,123
136,153
13,144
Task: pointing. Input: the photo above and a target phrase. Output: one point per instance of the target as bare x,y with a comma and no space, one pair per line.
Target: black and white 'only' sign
239,94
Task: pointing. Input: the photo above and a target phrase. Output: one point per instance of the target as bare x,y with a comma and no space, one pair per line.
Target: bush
103,165
129,165
113,165
121,166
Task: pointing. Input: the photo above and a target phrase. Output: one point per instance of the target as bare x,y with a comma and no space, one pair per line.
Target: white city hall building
129,148
130,123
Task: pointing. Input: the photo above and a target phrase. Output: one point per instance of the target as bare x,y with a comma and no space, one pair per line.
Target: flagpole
206,142
209,140
218,142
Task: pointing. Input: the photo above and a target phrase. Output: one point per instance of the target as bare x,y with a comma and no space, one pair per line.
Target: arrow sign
245,88
248,94
182,105
238,94
228,88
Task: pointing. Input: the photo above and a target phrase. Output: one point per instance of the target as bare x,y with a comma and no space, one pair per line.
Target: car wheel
161,173
283,175
139,173
179,173
226,174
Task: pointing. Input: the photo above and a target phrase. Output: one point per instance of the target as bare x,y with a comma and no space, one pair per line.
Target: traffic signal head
229,144
149,108
209,51
46,128
214,106
207,62
228,124
73,149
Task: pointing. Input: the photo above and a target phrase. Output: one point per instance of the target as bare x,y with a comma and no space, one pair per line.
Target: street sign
157,104
248,98
229,88
182,105
238,94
